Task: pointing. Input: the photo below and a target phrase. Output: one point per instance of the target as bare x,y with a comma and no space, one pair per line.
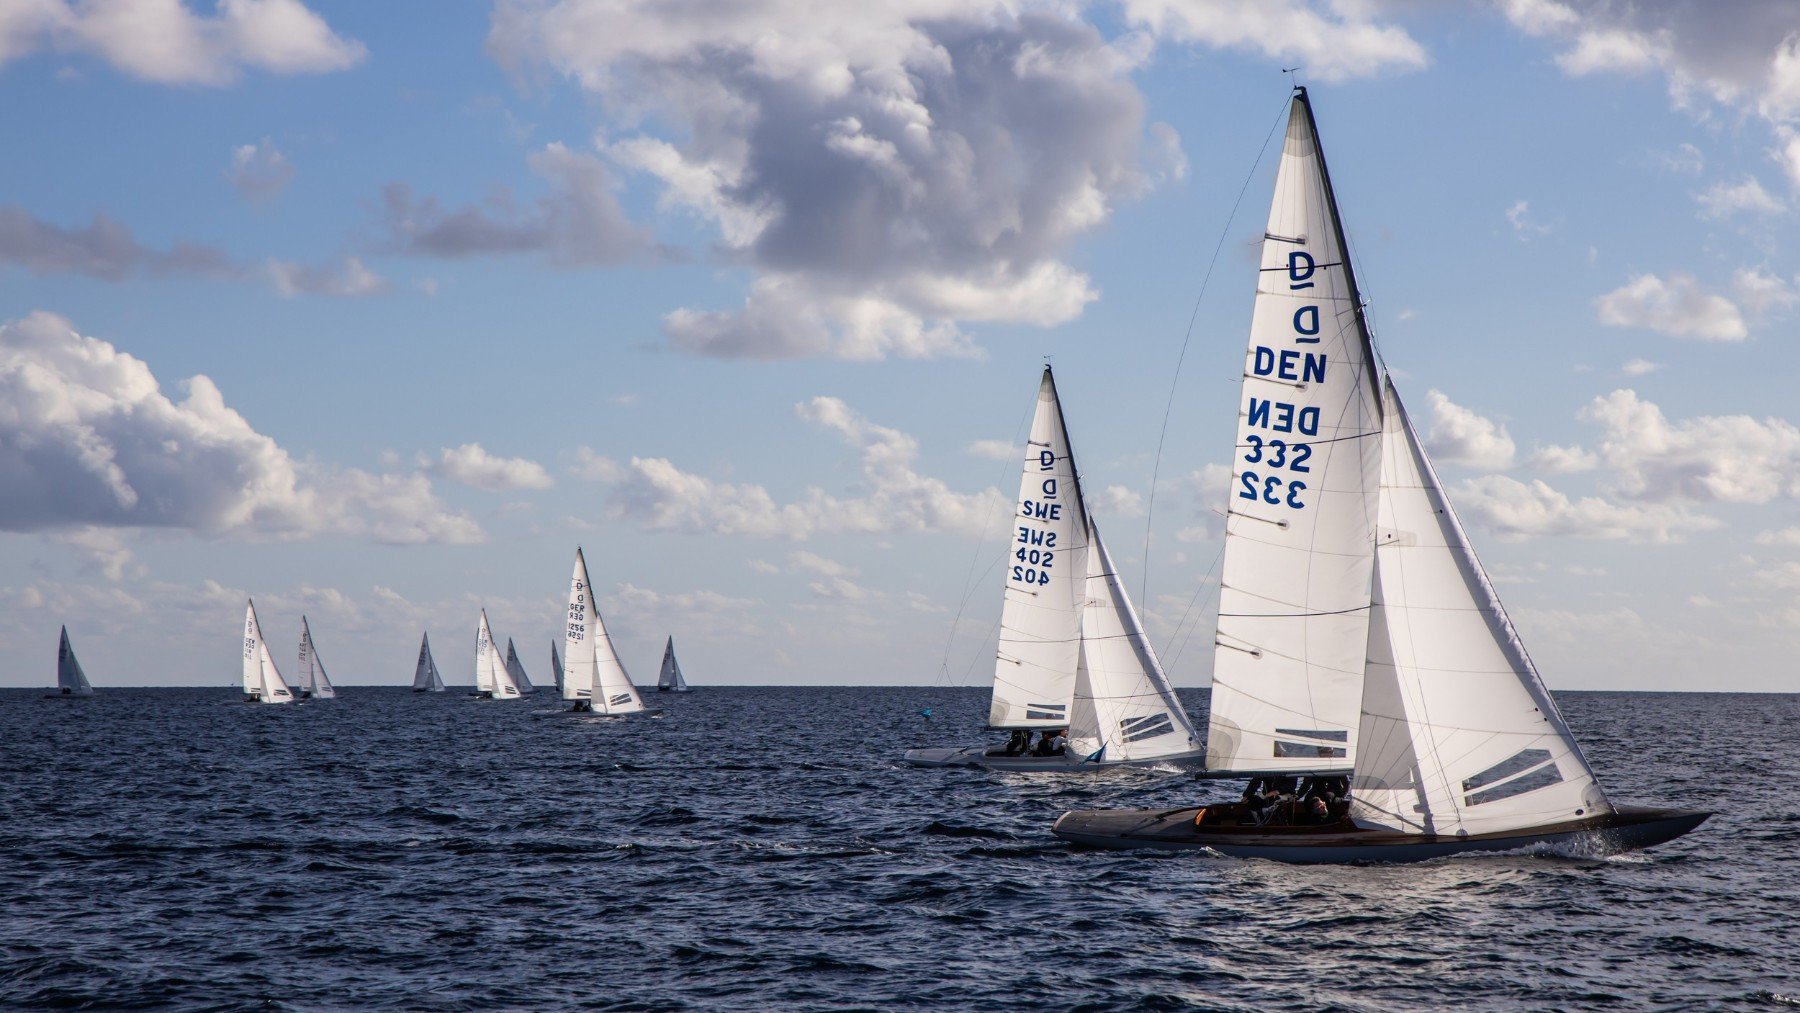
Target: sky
377,311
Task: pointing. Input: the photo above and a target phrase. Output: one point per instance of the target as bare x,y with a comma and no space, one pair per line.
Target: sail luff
579,655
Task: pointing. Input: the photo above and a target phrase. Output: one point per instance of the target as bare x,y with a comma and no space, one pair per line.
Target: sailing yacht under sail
425,677
71,681
1072,654
492,680
516,669
670,680
314,683
594,679
556,670
262,681
1358,632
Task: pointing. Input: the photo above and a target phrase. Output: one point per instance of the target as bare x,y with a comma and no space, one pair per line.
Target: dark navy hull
1628,829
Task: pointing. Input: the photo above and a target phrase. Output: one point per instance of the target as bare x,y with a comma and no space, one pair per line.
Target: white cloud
1330,41
1746,196
994,450
658,496
1685,160
1560,460
1459,436
1525,228
1761,292
1116,500
591,466
1787,538
348,278
1719,459
1515,510
888,172
166,42
1678,307
88,439
473,466
259,171
1640,367
105,249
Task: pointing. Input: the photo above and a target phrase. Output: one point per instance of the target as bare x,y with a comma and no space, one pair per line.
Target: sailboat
492,680
425,677
71,681
671,679
594,679
262,681
314,684
516,669
1358,633
1072,654
556,671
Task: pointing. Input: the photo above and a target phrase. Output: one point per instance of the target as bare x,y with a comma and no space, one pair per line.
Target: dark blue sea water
763,848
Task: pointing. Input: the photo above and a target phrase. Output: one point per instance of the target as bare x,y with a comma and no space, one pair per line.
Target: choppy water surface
760,848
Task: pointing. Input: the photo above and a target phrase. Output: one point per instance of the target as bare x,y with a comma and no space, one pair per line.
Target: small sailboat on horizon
262,680
492,680
516,669
71,682
670,679
1359,637
556,669
425,677
314,683
594,679
1072,659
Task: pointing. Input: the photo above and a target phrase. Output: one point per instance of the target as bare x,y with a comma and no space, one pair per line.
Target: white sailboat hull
977,757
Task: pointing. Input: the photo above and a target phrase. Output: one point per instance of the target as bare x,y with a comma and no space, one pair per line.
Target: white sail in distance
1124,707
70,679
425,677
670,678
262,681
491,676
1459,735
603,674
1294,593
516,669
556,669
1046,580
313,679
579,655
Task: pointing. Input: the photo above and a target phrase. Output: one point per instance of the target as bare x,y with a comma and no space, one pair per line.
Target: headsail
1458,733
70,679
1294,596
262,681
490,669
1040,619
670,678
425,677
516,669
1124,707
313,679
556,672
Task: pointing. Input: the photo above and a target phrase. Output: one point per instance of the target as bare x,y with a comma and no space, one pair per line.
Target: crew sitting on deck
1052,743
1017,744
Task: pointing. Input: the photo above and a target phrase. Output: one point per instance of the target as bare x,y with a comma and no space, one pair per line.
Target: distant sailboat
594,679
425,677
1072,653
262,681
314,684
671,680
556,671
1358,633
71,681
516,669
492,681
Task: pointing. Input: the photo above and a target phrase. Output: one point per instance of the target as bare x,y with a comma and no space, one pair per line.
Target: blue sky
750,302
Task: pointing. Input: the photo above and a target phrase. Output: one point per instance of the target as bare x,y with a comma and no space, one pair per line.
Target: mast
1337,227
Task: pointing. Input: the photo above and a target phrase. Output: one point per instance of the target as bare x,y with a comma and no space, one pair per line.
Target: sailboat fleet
1360,643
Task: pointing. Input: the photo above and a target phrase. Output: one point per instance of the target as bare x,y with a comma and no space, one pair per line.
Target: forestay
1040,619
1124,708
670,678
1458,732
490,669
69,676
425,677
312,670
262,681
1294,596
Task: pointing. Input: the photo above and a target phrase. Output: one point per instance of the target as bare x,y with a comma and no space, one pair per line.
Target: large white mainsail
262,681
1040,618
1294,595
1459,735
593,671
491,677
516,669
70,679
670,678
425,677
313,680
1124,708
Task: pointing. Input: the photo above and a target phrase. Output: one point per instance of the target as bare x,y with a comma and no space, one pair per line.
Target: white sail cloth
425,677
1294,593
313,679
491,676
70,679
262,681
516,669
592,669
1040,618
1124,708
670,678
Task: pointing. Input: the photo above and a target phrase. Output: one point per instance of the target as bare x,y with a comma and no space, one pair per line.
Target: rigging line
1175,380
1183,623
969,580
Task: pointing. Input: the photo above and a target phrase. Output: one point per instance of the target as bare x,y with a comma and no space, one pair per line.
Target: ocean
764,848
